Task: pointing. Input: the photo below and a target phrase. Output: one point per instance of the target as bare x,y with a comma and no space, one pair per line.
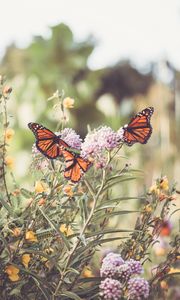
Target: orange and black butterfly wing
139,129
83,163
75,166
72,170
46,141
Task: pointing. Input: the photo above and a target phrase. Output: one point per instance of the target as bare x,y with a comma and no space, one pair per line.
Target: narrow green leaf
26,193
107,231
6,206
56,228
71,295
115,181
90,279
119,199
115,213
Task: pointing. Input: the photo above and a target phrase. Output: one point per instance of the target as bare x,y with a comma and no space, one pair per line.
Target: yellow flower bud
40,187
87,272
12,272
16,231
30,236
164,285
9,134
66,230
154,189
68,102
25,260
9,161
68,190
164,184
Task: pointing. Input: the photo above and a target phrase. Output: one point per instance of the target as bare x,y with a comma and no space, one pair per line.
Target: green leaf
107,231
115,213
26,193
115,181
71,295
56,228
119,199
89,279
7,206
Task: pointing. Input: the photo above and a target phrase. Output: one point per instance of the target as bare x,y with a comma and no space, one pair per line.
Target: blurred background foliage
108,96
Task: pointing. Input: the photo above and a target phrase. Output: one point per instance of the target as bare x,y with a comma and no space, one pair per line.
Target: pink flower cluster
100,140
116,270
95,144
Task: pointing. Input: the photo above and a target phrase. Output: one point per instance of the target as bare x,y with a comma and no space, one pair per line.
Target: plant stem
4,152
95,199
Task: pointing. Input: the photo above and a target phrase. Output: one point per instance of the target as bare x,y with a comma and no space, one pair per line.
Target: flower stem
95,199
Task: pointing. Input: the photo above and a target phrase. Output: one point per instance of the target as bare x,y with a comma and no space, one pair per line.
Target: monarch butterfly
76,166
139,128
47,142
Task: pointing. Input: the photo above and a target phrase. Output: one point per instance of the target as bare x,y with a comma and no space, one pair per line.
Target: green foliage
52,232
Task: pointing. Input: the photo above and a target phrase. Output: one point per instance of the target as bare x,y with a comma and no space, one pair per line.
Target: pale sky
141,30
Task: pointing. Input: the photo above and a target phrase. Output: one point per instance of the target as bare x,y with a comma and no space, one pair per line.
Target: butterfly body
47,142
139,128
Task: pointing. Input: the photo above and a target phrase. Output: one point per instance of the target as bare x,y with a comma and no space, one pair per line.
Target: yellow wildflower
30,236
40,187
9,134
164,184
68,102
154,189
66,229
164,285
148,208
87,272
9,162
68,190
12,272
160,251
16,231
25,260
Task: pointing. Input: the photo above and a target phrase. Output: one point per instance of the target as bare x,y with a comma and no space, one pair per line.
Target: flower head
110,263
165,228
68,190
110,289
164,183
120,134
9,162
30,236
9,134
39,160
98,141
40,187
135,266
123,272
12,272
138,288
16,231
68,102
154,189
87,272
66,229
71,138
25,260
